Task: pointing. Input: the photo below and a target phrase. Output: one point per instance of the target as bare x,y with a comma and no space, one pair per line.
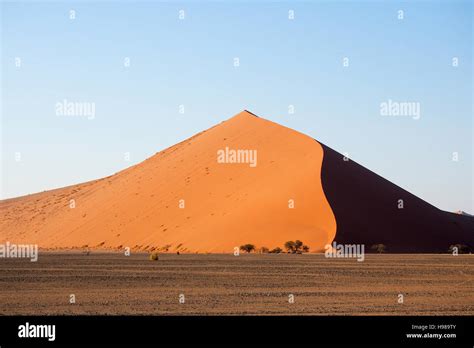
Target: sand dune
246,180
225,204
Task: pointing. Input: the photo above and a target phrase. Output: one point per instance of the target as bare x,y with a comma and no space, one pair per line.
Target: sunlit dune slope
182,199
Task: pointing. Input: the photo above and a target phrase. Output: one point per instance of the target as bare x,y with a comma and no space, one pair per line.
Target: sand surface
244,285
225,204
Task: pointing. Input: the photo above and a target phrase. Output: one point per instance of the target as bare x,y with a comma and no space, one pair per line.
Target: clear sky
47,57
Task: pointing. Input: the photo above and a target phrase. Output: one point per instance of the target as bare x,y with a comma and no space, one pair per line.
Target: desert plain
194,198
249,284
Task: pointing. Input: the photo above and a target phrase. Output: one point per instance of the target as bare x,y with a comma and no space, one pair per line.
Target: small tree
247,247
277,250
296,247
379,248
263,250
290,246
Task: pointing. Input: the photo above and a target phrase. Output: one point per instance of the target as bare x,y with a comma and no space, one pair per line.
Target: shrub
263,250
154,257
277,250
247,247
379,248
461,249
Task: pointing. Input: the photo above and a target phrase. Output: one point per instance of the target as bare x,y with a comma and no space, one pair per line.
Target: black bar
194,330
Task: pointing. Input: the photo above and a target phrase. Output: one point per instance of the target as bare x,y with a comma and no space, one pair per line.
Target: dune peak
245,114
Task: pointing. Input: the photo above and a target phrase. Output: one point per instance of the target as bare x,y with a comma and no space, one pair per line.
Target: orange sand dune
225,204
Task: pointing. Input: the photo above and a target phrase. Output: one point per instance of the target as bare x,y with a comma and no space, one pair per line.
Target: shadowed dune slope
367,211
183,199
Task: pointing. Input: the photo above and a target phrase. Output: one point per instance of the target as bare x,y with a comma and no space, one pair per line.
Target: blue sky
282,62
